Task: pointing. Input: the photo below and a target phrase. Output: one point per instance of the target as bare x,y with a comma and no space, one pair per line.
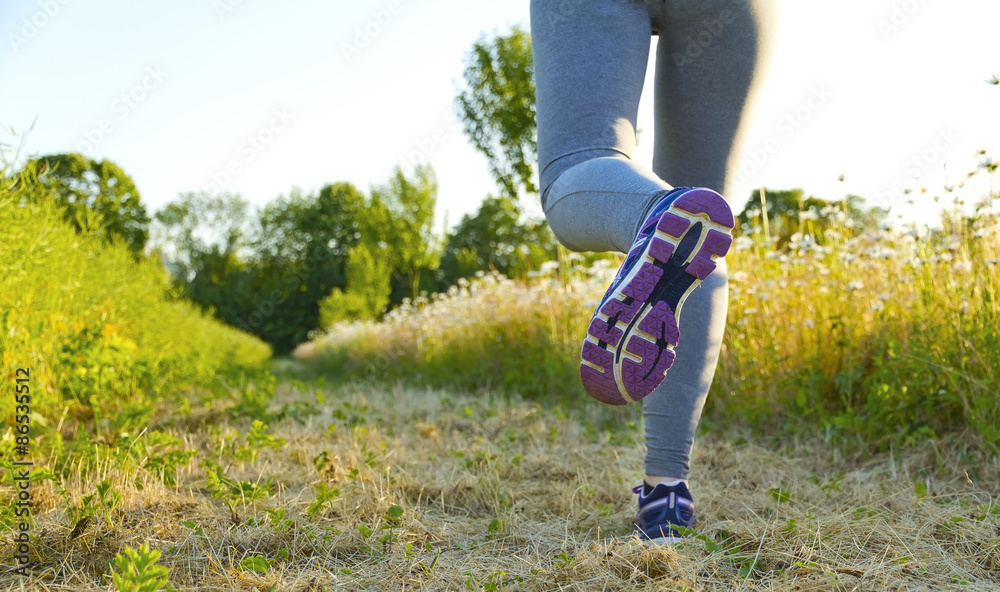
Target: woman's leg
590,62
709,63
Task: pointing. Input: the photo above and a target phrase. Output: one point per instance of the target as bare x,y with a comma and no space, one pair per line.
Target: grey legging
590,61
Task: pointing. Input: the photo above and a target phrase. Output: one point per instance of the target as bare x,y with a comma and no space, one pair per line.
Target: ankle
654,480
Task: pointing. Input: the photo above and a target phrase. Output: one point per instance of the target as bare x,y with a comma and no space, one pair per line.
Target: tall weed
875,338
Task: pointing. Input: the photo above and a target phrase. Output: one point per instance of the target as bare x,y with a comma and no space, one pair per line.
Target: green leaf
256,563
780,495
395,512
920,489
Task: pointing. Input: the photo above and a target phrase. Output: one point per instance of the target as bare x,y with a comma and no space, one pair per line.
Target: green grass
107,349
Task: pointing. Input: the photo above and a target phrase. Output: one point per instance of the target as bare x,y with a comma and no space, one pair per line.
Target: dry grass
557,484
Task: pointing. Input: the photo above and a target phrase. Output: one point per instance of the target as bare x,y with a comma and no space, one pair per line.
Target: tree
300,256
367,292
497,108
201,226
95,196
207,238
399,225
495,238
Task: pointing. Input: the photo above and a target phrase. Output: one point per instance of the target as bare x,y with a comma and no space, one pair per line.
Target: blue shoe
661,511
631,338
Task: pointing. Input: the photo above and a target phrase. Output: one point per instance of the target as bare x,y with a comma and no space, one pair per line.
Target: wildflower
548,267
962,266
855,285
810,323
884,296
878,306
743,243
750,312
809,214
739,276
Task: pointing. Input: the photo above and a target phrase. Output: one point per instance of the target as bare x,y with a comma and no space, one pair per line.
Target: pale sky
257,96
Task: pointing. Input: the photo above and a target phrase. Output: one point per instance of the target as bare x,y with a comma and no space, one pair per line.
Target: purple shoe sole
630,342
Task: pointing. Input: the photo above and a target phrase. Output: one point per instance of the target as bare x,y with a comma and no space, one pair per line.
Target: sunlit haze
258,97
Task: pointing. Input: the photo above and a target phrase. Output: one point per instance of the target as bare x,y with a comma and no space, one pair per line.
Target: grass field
849,443
435,490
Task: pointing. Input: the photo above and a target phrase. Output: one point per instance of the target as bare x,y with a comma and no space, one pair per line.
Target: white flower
743,243
855,285
878,306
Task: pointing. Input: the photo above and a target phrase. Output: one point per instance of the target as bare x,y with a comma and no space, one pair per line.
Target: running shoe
630,342
661,510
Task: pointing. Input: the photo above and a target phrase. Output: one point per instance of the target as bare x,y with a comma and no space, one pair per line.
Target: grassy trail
510,495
